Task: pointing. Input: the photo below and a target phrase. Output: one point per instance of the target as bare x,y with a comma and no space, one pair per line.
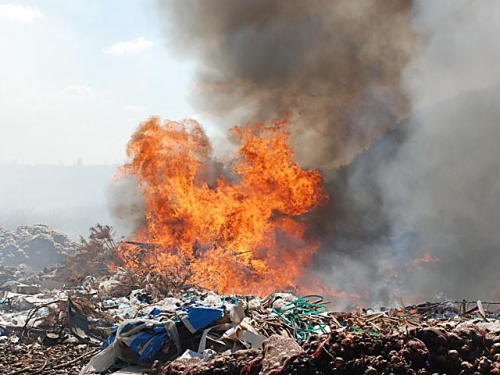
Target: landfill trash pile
36,246
442,338
430,349
23,252
88,315
11,277
106,325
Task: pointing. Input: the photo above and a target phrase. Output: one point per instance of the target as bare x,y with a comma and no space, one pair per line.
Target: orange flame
418,263
243,234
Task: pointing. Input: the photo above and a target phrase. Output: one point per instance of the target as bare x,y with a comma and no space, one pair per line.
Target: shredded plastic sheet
140,340
144,339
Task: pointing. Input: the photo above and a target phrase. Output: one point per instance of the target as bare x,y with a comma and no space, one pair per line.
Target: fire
240,234
418,263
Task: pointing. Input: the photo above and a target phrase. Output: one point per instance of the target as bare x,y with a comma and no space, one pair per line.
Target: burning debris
405,135
243,231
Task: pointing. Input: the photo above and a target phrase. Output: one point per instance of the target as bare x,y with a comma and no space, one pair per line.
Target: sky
77,77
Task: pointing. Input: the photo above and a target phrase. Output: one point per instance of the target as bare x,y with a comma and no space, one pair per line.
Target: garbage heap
35,246
79,317
124,323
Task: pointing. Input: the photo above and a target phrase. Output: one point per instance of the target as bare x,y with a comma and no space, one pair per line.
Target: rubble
391,342
194,331
99,318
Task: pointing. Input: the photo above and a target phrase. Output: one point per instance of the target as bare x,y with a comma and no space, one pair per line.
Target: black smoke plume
335,64
414,209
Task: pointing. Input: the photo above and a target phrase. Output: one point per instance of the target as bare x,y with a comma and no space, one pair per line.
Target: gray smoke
432,185
445,181
350,70
67,198
126,205
335,64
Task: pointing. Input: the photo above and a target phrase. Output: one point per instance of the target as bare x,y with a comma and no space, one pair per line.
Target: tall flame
243,234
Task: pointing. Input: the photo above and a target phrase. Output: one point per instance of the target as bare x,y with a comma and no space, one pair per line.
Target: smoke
69,198
414,209
126,205
445,181
461,50
335,64
433,185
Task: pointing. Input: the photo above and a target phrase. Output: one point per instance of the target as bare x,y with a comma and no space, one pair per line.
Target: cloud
79,91
130,47
24,13
133,108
